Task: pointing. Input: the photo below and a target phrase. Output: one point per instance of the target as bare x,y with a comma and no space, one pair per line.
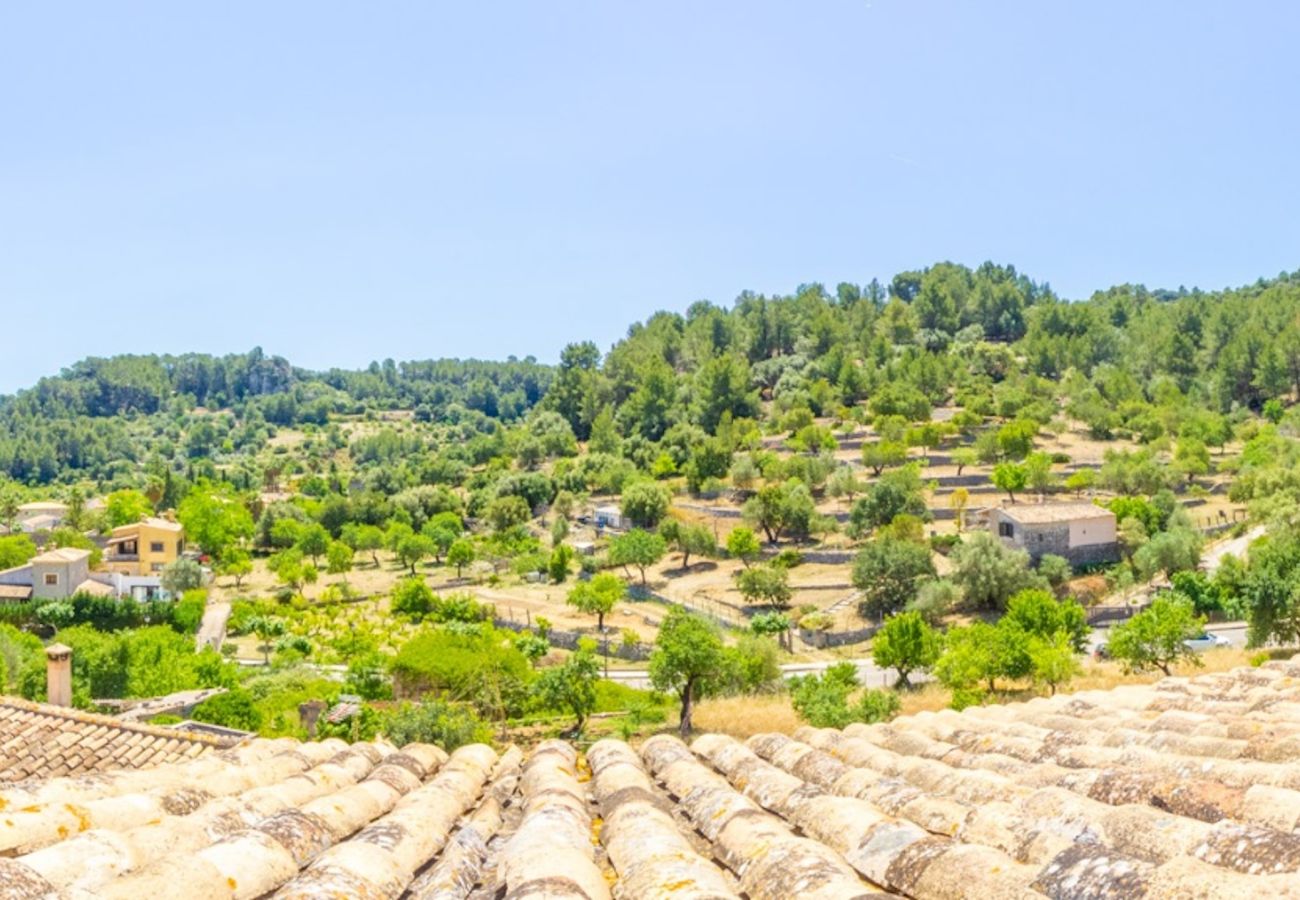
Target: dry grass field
743,717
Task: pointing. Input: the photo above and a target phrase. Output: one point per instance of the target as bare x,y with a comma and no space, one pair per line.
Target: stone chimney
58,674
309,714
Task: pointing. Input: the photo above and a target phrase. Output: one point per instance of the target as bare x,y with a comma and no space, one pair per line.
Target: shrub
448,725
788,558
481,667
189,611
1056,569
233,709
823,700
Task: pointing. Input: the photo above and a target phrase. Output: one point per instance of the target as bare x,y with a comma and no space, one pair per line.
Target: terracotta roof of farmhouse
1185,788
1046,513
42,741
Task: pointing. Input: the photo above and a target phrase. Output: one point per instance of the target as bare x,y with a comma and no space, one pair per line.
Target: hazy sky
342,182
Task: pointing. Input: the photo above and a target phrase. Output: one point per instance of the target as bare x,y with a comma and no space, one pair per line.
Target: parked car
1207,641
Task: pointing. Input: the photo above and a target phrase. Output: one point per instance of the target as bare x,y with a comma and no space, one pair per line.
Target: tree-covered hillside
1126,361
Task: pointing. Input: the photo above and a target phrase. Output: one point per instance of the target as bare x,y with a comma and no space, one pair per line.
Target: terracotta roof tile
39,740
1184,788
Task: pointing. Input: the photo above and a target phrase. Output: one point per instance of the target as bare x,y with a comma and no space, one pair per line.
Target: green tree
436,721
887,573
906,644
290,567
688,656
963,457
767,585
188,611
460,554
896,493
598,596
338,558
365,539
772,624
1191,458
989,573
125,507
237,564
782,508
572,686
214,518
533,646
1040,614
645,503
1056,569
504,513
1010,477
977,655
1270,589
1155,638
558,565
1038,472
313,540
743,544
15,550
689,539
180,576
413,549
1053,661
1175,550
638,548
412,597
823,700
883,454
266,628
1080,481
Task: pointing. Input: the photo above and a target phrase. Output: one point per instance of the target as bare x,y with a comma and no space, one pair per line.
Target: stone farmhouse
1083,533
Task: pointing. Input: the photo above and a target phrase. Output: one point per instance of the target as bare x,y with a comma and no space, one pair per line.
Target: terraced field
1182,789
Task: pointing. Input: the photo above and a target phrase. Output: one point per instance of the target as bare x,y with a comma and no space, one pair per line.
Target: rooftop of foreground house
1189,787
39,740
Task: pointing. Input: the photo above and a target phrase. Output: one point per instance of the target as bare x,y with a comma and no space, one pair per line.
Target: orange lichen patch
82,815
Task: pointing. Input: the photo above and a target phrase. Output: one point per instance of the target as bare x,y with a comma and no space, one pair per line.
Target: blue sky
342,182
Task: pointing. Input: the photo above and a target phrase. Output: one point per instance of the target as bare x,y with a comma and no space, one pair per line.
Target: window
1006,529
155,546
51,579
156,567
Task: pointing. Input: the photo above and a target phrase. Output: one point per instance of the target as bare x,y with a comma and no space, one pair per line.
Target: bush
823,700
448,725
481,667
1056,569
189,611
788,558
944,543
412,597
233,709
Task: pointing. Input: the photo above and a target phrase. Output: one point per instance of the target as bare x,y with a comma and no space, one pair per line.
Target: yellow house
145,547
